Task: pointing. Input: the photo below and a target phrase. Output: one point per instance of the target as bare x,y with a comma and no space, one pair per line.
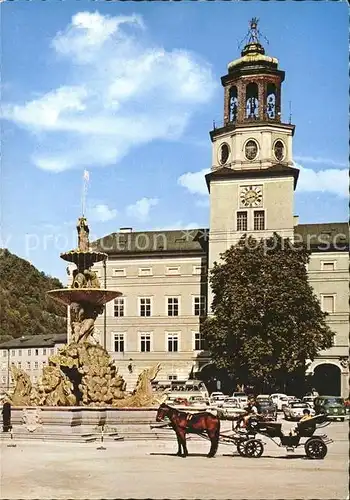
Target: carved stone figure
23,387
143,395
32,418
83,318
83,234
55,389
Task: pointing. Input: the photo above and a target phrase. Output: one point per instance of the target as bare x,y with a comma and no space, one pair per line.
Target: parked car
198,400
295,410
217,399
309,400
231,408
266,406
332,406
279,399
242,397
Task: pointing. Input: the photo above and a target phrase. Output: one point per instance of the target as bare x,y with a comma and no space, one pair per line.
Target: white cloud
333,181
194,182
320,161
122,91
102,213
141,209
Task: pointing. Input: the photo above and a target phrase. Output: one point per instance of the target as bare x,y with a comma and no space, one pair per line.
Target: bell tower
252,178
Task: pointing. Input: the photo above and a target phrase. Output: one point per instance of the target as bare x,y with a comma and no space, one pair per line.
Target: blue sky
129,91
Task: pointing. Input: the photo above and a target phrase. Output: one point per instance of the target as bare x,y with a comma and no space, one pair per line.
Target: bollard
12,445
101,447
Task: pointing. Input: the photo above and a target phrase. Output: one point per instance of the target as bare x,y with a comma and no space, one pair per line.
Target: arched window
233,104
252,101
271,101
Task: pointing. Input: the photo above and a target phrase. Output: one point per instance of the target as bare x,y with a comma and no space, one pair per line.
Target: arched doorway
327,379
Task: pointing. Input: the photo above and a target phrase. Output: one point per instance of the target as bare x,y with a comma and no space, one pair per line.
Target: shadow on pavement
175,455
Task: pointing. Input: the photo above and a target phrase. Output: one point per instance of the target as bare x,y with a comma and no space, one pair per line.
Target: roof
35,341
276,170
331,236
189,241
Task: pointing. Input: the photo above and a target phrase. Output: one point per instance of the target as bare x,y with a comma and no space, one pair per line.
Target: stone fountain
82,373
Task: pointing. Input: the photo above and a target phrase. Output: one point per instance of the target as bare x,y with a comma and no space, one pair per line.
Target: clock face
251,196
251,150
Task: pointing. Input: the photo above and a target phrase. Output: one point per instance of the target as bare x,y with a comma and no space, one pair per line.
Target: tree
267,320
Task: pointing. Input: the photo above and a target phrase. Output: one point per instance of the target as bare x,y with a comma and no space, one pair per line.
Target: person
6,416
251,410
306,415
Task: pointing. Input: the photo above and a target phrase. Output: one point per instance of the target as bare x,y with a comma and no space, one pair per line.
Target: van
332,406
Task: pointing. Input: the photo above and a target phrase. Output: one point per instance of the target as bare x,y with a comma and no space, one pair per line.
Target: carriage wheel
315,448
241,448
253,448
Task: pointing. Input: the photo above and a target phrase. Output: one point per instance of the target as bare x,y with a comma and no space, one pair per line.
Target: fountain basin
95,296
83,258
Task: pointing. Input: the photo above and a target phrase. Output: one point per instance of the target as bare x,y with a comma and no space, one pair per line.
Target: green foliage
25,307
267,320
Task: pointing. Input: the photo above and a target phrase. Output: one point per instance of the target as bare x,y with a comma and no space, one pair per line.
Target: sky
129,92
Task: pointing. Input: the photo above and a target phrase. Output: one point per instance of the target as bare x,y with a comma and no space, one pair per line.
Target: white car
309,400
295,411
217,399
279,400
242,398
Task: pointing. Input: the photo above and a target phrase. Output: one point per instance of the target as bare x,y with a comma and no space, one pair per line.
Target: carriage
247,441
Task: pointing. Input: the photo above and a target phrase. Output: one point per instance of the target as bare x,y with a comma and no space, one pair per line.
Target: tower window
278,150
224,153
242,221
259,220
233,103
252,101
251,150
271,101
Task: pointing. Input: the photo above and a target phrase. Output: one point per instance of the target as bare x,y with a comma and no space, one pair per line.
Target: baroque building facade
163,276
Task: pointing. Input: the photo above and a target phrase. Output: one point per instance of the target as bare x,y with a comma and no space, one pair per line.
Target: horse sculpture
196,423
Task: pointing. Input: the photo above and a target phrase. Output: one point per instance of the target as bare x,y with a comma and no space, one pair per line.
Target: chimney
125,230
296,220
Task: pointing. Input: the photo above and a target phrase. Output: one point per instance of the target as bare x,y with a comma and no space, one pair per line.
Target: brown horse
197,423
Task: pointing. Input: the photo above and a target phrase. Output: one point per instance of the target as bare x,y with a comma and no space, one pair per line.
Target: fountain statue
82,373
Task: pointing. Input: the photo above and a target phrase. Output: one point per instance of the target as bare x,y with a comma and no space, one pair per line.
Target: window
13,352
327,266
52,351
19,364
242,221
173,306
119,271
199,305
36,352
173,342
197,270
328,303
44,363
145,306
259,220
173,270
29,352
19,352
145,271
28,365
35,378
119,307
36,365
199,344
145,342
119,342
44,352
4,353
172,377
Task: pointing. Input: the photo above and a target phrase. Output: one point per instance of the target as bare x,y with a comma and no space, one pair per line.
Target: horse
197,423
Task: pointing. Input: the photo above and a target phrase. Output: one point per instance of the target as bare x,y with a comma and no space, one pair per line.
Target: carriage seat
308,427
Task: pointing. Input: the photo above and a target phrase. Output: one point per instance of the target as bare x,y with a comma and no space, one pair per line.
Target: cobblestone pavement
39,470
